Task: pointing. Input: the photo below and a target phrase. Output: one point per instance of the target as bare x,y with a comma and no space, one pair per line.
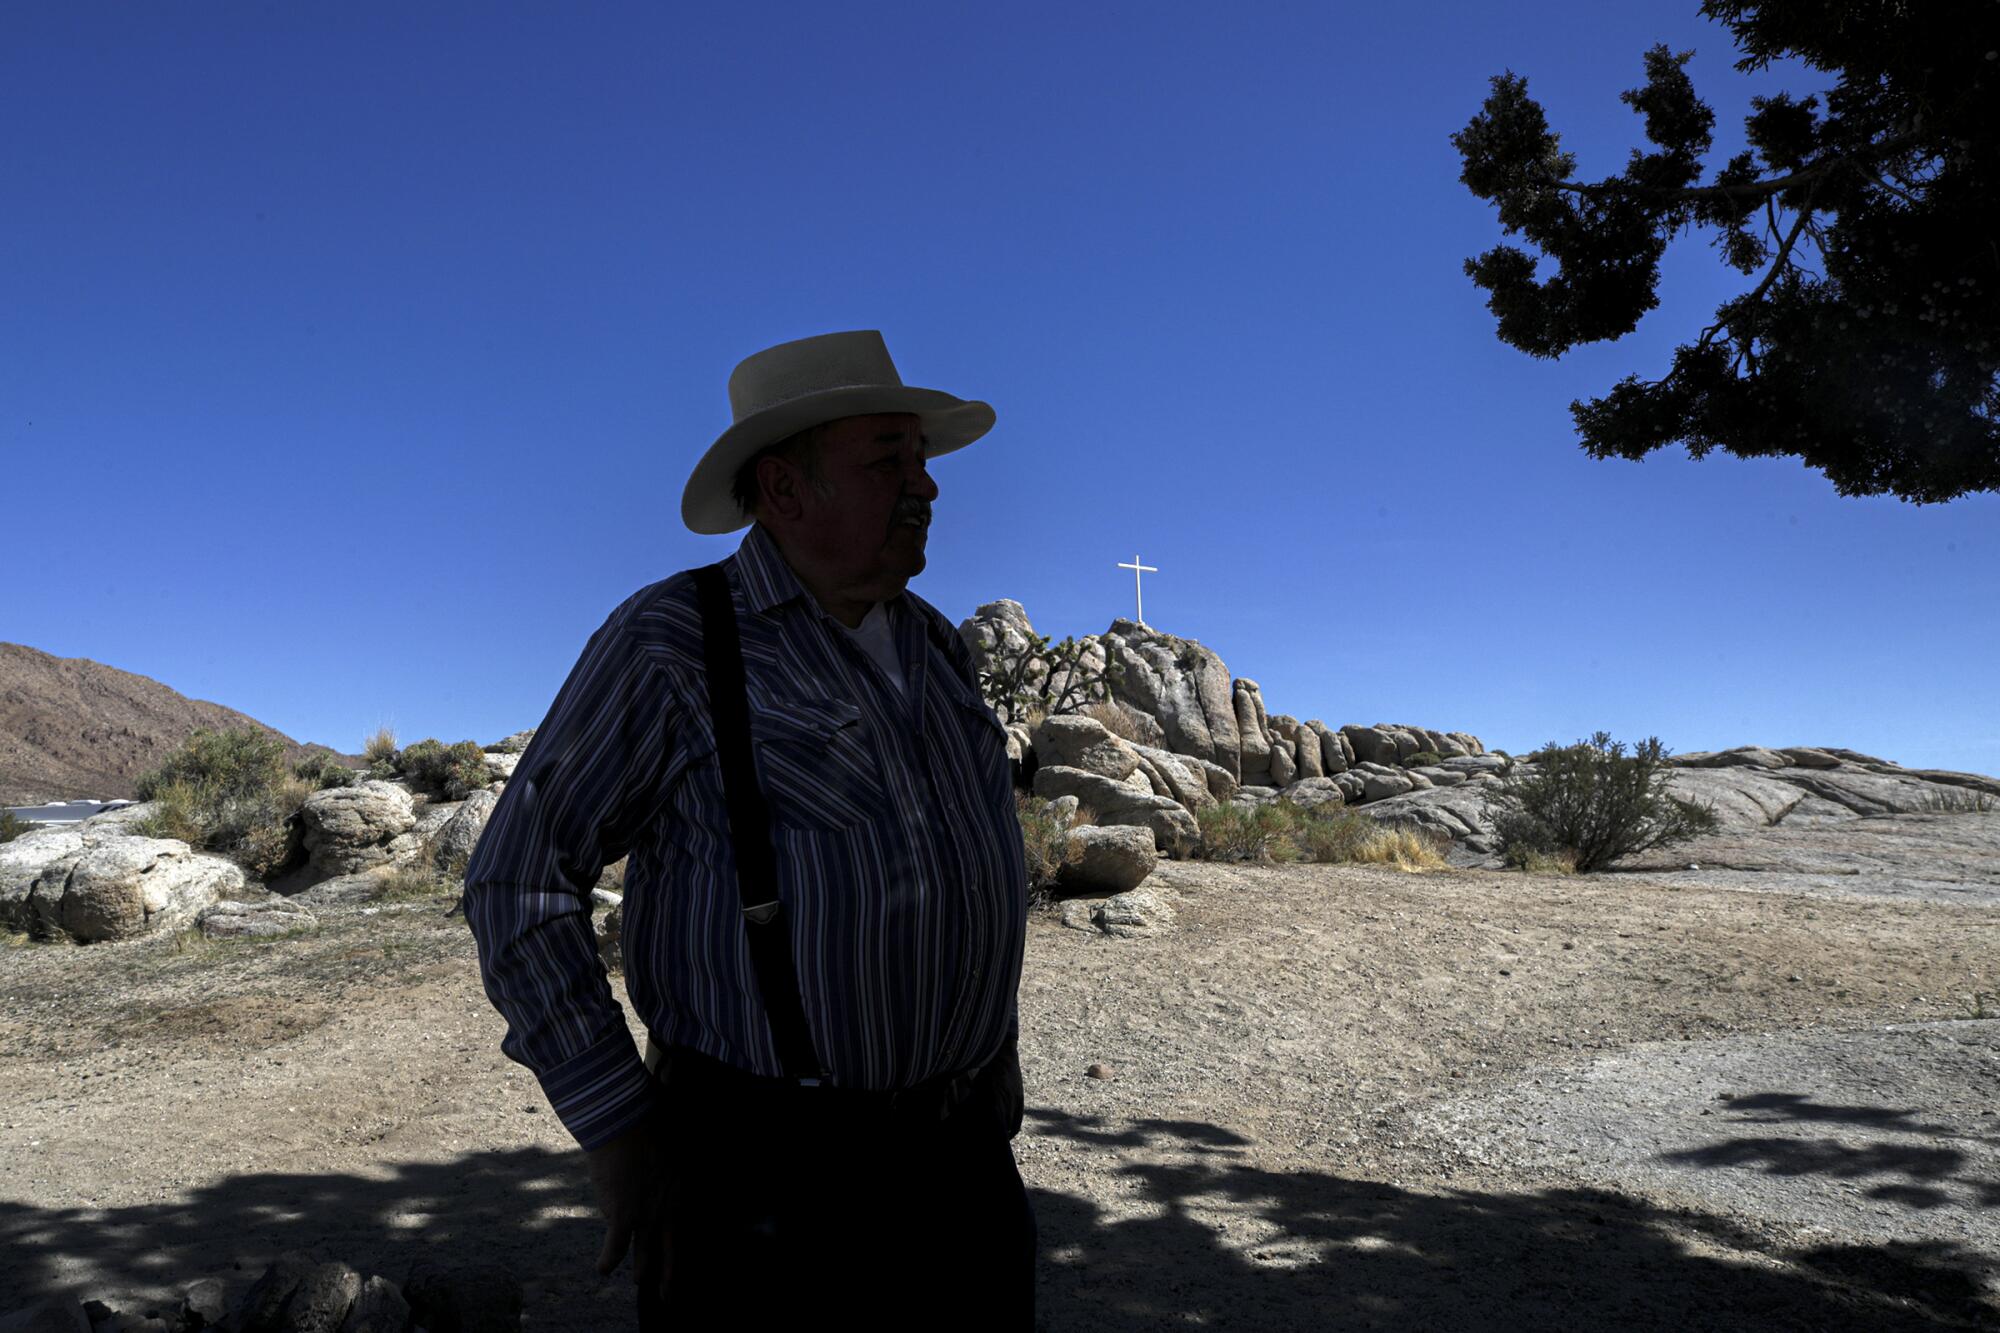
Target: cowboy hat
782,390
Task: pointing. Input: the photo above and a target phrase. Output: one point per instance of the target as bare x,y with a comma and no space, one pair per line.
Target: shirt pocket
814,762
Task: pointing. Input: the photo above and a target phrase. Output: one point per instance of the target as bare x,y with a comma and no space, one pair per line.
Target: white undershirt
875,638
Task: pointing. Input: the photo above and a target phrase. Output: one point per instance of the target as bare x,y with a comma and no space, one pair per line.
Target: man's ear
778,488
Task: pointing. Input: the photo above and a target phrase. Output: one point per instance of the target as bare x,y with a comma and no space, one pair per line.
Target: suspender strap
750,831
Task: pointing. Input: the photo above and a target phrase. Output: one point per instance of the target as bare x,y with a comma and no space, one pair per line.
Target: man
829,1129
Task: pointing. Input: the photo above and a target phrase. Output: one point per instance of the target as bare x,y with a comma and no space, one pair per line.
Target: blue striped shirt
899,855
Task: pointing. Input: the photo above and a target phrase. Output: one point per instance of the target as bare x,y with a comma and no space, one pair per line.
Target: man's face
867,533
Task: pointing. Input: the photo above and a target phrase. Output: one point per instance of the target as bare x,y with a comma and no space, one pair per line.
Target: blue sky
355,357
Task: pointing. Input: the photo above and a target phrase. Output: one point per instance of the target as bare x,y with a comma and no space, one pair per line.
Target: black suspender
750,831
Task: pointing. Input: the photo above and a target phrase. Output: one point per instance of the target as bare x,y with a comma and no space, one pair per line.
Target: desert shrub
227,792
1045,839
13,826
455,771
1233,832
1039,676
235,763
1595,803
322,769
1332,834
1423,759
380,746
417,880
1522,857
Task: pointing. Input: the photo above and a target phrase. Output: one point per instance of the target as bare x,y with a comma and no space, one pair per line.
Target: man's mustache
911,506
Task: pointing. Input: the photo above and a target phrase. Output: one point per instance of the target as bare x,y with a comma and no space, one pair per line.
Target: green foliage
1233,832
1423,758
1039,680
1331,834
453,771
1593,803
228,792
322,769
13,826
1868,344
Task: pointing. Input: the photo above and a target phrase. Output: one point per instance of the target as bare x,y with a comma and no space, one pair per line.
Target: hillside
70,727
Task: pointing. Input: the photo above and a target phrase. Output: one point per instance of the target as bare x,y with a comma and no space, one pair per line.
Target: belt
932,1100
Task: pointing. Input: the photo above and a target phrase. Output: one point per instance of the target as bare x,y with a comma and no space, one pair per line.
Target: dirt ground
1341,1097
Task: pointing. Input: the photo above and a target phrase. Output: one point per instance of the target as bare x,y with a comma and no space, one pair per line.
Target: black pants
790,1204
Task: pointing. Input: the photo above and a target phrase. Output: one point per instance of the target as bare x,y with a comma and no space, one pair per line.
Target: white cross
1139,595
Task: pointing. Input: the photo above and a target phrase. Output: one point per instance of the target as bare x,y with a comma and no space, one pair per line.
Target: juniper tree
1866,339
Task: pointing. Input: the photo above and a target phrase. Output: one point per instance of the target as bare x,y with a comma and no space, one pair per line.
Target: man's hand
633,1193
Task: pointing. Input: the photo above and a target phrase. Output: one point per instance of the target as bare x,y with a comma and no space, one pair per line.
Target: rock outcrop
96,884
348,829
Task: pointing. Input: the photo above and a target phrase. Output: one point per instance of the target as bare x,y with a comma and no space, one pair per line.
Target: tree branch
1755,189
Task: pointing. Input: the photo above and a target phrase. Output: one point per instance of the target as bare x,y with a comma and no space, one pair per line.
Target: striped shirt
892,811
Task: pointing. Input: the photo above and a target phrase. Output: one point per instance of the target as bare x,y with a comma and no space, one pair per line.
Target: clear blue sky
353,358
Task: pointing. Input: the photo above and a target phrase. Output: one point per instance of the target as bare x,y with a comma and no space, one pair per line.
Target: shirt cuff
600,1092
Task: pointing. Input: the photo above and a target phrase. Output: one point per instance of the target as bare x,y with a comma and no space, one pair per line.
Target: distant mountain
72,728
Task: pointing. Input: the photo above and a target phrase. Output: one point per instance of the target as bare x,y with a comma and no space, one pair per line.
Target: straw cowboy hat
782,390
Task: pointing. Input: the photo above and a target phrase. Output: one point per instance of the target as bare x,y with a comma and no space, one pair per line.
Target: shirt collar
767,581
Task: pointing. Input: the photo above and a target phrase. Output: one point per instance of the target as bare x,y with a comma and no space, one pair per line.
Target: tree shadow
1915,1175
1185,1229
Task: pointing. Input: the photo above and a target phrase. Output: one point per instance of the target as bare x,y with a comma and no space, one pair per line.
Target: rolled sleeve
594,776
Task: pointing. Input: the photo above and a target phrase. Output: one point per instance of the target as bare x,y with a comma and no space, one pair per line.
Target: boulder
1108,860
1743,756
1803,756
1174,829
1179,684
343,890
1063,809
1304,745
261,1309
1352,786
1461,813
1156,781
1333,756
1254,737
1370,745
432,819
1311,793
1284,762
23,862
204,1303
1439,776
320,1302
1221,783
1186,778
1139,912
120,886
1469,742
352,828
1074,741
514,744
500,764
452,845
232,920
1381,780
379,1308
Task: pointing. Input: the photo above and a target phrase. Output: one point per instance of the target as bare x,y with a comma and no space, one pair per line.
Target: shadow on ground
1920,1175
1200,1236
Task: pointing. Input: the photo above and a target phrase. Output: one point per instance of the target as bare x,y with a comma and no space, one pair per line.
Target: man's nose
917,481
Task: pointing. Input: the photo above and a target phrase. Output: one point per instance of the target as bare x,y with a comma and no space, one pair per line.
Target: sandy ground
1342,1098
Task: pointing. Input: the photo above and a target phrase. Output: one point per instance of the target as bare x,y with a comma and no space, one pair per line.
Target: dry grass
1045,839
1403,848
380,747
1117,719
